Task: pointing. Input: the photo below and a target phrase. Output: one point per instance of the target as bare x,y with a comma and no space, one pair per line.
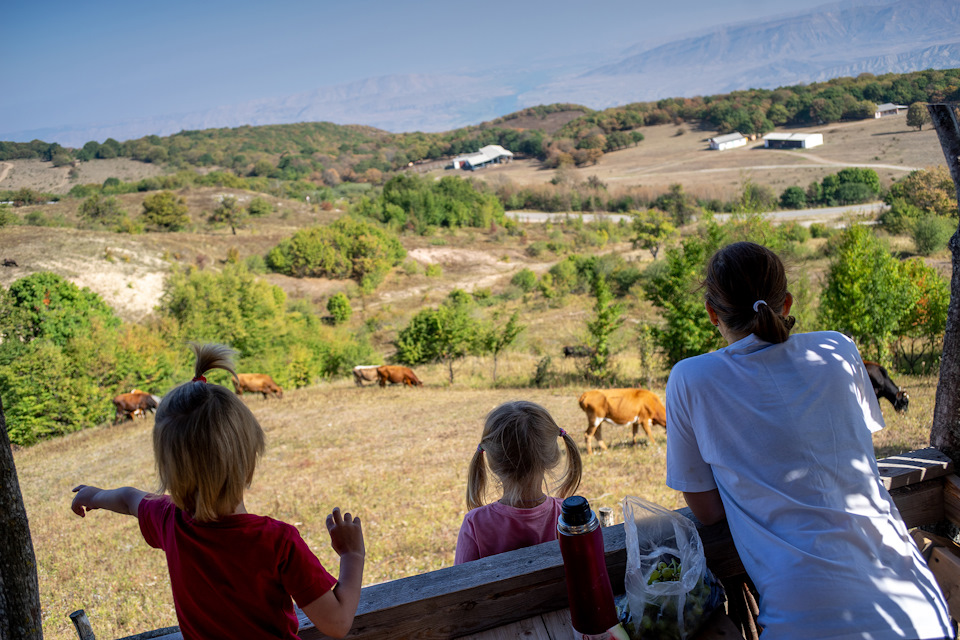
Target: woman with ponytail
519,445
233,574
773,434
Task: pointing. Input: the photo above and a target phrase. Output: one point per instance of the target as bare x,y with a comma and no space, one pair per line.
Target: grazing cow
129,405
884,387
397,375
142,412
580,351
635,407
256,383
10,262
365,373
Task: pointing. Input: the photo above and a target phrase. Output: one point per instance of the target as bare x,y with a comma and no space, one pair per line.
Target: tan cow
256,383
635,407
130,405
397,375
365,373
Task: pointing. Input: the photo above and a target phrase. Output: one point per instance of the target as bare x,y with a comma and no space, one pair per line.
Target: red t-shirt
234,578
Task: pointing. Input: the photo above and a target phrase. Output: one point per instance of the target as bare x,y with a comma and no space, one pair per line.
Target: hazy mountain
843,39
838,40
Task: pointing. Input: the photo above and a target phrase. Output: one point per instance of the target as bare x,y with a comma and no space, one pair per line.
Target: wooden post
19,589
82,624
606,516
945,433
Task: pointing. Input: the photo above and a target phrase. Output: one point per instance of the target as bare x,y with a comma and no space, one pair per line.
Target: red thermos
592,610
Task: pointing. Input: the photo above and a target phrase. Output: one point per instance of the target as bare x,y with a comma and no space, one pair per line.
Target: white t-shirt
784,432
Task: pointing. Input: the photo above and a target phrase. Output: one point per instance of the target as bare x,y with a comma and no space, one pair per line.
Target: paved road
805,217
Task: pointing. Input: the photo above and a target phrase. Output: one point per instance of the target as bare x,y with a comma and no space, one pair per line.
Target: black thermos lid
576,511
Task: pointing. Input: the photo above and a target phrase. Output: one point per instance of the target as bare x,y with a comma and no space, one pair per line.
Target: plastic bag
670,592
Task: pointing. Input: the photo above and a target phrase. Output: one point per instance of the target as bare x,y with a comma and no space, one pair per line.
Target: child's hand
346,536
82,501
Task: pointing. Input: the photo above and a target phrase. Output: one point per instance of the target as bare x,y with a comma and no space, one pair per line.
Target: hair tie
757,304
480,447
562,433
198,379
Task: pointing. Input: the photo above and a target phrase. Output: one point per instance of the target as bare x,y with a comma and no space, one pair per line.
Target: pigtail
476,480
212,356
571,478
771,326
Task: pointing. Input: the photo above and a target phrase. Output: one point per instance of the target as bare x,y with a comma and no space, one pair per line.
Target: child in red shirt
519,444
233,574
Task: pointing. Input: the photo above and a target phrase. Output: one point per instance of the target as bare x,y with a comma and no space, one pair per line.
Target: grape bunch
659,617
665,572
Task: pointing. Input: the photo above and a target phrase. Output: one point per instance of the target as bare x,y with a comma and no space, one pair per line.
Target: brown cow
635,407
397,375
365,373
130,404
256,383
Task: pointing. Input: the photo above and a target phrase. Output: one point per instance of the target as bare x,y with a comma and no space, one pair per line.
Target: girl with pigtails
233,574
519,445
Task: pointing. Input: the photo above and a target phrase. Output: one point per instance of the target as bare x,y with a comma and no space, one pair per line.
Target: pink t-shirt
234,578
496,528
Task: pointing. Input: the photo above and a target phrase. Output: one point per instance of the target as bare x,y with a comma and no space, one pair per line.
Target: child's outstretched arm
124,500
333,612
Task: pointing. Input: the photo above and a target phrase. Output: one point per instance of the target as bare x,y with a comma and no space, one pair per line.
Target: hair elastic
480,447
562,433
198,379
756,305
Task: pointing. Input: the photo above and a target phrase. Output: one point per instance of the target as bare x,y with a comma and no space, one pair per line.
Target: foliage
165,211
411,202
442,334
338,306
259,207
525,280
929,190
99,210
917,115
793,198
652,230
229,212
672,287
7,216
607,319
494,337
347,248
866,293
931,233
680,205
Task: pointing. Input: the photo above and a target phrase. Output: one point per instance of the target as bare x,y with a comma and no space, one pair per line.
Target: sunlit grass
397,457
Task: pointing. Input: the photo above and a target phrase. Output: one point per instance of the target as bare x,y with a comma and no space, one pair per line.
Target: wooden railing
490,592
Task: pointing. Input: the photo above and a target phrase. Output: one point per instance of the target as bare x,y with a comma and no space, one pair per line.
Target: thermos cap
576,511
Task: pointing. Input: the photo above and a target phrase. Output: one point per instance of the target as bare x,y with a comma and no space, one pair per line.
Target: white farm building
889,109
728,141
792,140
490,154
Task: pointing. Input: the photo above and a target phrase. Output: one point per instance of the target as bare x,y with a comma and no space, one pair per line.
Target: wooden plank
951,499
922,503
914,466
474,596
946,569
529,629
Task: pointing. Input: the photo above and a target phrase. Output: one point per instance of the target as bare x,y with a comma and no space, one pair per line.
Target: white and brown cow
365,373
634,407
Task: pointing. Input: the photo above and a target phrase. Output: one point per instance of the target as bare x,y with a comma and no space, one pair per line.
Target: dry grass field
395,456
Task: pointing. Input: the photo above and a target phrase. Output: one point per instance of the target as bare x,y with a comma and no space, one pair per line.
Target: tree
445,334
680,205
651,230
945,433
496,337
166,211
259,207
19,587
607,319
338,306
793,198
917,115
230,213
866,293
102,211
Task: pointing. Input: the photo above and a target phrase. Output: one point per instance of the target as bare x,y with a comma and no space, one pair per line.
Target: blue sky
102,62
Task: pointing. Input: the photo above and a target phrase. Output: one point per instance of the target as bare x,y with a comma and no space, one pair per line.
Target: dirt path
4,170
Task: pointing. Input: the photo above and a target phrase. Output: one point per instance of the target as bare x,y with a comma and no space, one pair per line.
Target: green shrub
434,270
260,207
339,308
103,211
525,279
166,211
932,233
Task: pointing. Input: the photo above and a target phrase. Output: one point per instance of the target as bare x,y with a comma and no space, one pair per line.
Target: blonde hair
519,443
206,442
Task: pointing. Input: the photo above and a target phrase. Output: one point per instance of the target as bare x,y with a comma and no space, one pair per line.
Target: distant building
490,154
889,109
792,140
729,141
